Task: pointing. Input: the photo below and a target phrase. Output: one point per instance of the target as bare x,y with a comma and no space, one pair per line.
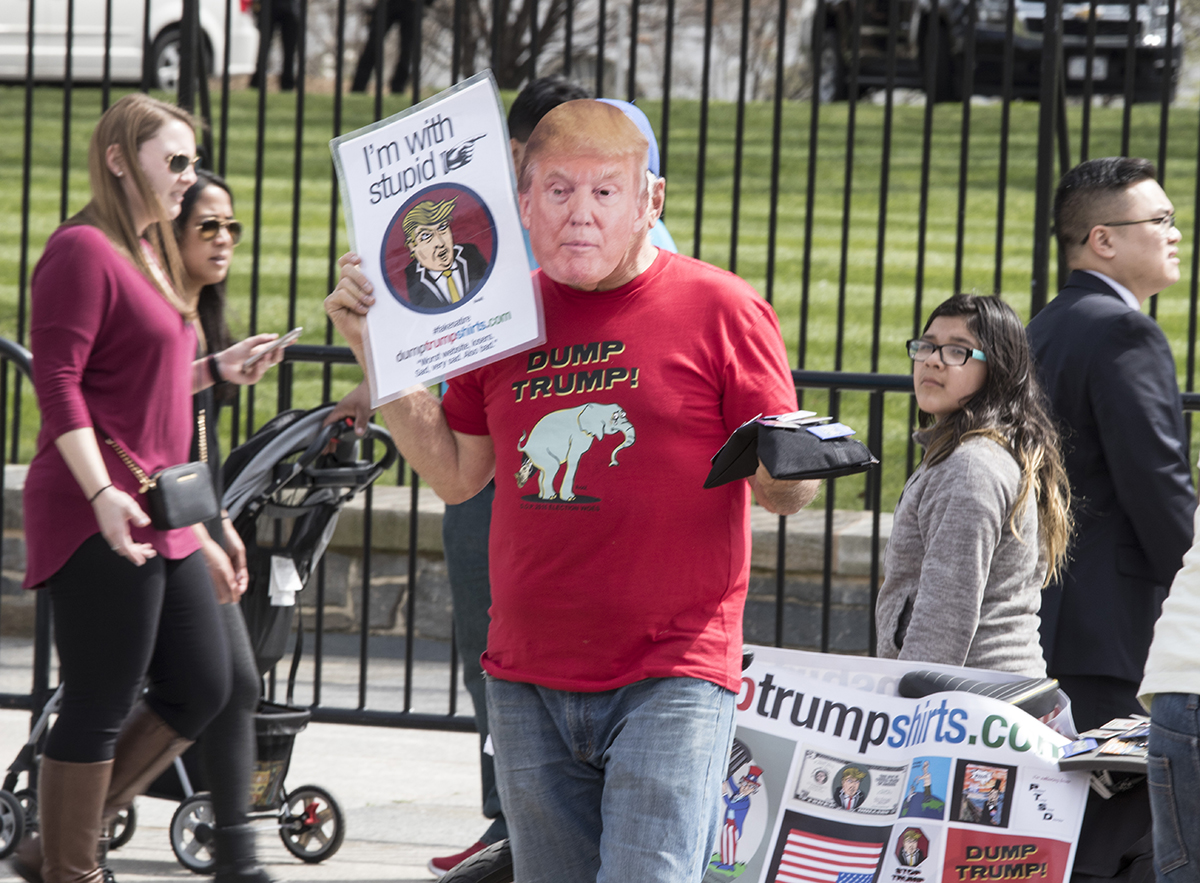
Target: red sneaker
440,866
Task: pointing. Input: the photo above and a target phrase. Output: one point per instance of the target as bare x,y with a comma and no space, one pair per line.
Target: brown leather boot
146,746
70,804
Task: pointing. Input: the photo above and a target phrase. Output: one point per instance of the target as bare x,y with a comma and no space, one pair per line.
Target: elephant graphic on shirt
565,436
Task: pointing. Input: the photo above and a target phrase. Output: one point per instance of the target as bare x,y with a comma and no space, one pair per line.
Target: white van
50,36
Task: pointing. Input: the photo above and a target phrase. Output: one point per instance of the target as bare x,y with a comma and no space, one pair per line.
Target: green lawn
268,244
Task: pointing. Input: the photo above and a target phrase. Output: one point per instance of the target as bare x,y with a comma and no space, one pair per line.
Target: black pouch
180,496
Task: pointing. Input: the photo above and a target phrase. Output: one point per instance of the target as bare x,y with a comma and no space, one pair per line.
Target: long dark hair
1011,409
211,305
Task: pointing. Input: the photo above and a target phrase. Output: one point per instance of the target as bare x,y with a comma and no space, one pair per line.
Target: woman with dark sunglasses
984,521
207,233
115,361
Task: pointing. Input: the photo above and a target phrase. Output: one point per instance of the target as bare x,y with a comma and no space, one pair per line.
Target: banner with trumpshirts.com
834,778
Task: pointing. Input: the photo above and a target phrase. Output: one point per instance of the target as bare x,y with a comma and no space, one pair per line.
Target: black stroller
284,495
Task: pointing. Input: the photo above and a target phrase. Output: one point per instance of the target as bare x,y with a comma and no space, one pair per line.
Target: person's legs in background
465,529
227,750
1115,839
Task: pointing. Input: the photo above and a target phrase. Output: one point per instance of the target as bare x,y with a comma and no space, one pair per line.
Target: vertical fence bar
702,132
569,37
885,164
1130,75
1005,123
364,620
932,42
665,129
264,46
1085,124
286,376
1164,107
533,39
415,42
106,74
874,490
334,195
410,618
189,49
1051,65
847,193
149,74
964,147
776,149
601,33
631,82
68,70
223,137
810,185
739,138
456,47
23,252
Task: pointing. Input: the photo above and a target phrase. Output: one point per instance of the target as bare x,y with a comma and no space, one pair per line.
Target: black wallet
788,452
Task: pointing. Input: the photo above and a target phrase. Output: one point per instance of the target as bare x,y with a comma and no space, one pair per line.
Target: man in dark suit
1110,377
441,273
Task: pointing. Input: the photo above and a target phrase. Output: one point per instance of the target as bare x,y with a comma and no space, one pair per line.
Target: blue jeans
614,786
465,530
1174,773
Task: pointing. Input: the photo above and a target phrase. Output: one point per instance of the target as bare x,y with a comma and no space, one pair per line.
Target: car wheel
832,84
164,60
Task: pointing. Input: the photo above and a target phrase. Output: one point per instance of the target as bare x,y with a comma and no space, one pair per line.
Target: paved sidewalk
407,795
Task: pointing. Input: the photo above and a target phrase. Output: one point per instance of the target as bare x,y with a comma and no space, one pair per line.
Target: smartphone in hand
289,338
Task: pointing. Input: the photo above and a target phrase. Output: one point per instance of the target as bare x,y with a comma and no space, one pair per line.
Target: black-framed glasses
1165,223
178,162
951,353
210,227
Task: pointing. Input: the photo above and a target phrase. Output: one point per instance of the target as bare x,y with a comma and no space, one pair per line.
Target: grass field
262,275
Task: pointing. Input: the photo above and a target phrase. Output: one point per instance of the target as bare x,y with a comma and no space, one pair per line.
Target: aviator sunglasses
209,228
178,162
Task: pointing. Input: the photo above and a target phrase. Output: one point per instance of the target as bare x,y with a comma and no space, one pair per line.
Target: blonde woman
114,357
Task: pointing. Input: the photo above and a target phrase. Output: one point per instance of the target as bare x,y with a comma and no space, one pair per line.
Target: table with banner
834,778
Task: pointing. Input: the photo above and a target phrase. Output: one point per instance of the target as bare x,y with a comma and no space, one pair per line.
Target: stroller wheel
311,824
27,797
192,833
121,828
12,823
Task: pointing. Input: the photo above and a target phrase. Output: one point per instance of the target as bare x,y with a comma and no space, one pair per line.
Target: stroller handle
339,428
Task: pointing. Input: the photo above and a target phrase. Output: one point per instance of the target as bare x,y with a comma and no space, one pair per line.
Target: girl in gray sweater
984,521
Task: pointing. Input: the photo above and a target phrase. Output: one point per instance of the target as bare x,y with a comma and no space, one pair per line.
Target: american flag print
812,858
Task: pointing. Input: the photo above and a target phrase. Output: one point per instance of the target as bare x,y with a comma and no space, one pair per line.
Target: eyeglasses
210,227
1165,223
178,162
951,353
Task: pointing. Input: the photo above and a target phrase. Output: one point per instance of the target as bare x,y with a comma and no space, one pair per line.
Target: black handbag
178,496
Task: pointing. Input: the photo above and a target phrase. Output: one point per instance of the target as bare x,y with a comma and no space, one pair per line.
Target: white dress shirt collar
1126,295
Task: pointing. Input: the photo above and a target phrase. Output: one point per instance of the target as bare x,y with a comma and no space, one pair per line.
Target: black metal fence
851,217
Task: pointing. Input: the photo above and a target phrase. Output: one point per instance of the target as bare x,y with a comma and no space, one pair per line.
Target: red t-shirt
643,573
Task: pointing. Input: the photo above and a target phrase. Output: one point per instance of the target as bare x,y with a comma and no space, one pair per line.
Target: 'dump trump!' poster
431,208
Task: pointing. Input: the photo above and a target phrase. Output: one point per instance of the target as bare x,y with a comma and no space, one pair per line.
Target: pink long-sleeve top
109,353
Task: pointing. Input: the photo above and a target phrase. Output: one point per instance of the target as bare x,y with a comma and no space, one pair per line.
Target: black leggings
114,623
228,744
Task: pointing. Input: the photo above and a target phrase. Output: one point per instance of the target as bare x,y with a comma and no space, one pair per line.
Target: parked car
1112,27
126,58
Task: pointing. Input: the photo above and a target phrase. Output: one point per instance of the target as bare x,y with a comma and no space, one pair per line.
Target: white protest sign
838,780
431,209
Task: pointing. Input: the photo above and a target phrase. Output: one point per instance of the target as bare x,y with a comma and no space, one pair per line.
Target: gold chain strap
140,474
145,481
